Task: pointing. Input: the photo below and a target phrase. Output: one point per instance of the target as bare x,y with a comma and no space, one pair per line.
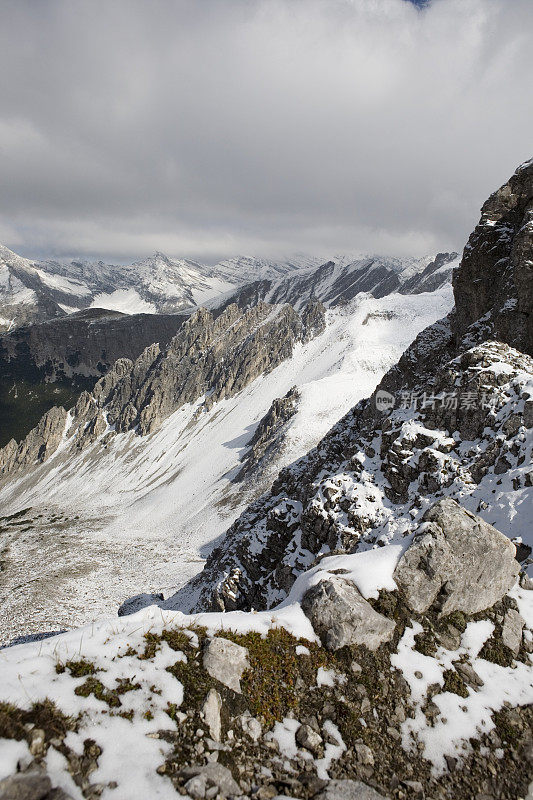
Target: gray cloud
263,126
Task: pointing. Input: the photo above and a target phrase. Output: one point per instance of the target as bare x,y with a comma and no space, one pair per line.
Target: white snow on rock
11,754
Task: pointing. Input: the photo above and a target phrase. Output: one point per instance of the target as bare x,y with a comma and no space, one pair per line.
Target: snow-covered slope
454,417
149,508
158,284
133,708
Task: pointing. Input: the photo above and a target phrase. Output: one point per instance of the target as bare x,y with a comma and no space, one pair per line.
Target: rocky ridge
23,300
209,357
494,287
268,436
35,291
338,281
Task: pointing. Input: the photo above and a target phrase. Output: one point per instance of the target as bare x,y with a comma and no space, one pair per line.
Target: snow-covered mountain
33,291
453,418
23,298
152,506
340,280
72,350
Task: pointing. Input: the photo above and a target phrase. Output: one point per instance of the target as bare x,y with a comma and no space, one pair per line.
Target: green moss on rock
454,683
495,651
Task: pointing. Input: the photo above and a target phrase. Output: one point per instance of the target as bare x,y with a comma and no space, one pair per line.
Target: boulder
138,602
226,661
349,790
364,754
310,739
341,616
457,561
31,785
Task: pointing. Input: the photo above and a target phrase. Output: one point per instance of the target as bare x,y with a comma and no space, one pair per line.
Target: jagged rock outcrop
456,561
494,286
269,433
375,474
48,364
460,426
38,446
433,276
215,357
337,282
210,357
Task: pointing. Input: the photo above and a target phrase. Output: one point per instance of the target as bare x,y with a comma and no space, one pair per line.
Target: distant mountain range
37,291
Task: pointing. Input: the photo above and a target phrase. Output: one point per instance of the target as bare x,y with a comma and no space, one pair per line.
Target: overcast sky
208,128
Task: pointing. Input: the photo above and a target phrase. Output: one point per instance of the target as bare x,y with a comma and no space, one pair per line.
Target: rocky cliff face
209,357
268,436
81,346
49,363
453,418
494,287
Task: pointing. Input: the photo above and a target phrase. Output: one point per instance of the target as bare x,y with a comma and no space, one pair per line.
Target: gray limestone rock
268,433
31,785
349,790
211,711
364,754
341,616
513,624
225,661
310,739
495,280
456,560
37,447
212,775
